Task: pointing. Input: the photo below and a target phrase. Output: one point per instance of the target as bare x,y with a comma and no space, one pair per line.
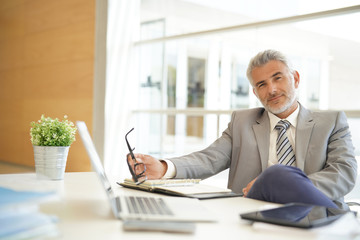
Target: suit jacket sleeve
339,172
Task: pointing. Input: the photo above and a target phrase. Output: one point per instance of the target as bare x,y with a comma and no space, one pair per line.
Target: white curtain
121,81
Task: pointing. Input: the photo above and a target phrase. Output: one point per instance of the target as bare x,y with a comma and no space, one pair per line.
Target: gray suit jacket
324,151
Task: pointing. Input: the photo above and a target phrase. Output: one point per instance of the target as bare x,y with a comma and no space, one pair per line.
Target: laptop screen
94,158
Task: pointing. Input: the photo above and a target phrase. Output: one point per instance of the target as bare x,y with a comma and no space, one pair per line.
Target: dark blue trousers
285,184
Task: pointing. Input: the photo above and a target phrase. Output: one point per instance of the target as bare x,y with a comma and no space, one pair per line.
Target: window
192,65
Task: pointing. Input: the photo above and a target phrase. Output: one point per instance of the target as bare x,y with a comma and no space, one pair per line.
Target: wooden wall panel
46,67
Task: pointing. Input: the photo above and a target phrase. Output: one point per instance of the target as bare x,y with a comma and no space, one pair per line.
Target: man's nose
272,88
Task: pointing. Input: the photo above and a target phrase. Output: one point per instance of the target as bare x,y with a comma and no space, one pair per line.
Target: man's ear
296,78
255,92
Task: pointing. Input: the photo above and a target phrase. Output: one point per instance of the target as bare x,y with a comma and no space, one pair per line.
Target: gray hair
263,58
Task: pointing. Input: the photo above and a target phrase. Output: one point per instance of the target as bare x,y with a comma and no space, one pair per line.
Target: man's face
274,85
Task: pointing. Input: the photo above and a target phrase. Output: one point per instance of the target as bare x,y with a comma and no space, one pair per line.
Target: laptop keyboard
147,205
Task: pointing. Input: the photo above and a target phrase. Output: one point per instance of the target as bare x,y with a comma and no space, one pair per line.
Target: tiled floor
14,168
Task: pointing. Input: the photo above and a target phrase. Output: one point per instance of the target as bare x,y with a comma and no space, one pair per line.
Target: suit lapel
262,135
304,129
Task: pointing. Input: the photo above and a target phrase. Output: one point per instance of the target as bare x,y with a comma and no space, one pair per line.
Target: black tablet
296,215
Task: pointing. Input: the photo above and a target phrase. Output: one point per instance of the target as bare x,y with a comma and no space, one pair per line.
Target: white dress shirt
291,131
171,170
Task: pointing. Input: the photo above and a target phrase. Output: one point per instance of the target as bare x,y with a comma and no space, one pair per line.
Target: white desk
84,212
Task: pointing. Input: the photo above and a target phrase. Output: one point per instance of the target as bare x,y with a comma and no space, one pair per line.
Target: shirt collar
292,118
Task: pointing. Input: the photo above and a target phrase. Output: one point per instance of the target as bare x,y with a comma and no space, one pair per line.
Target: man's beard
291,98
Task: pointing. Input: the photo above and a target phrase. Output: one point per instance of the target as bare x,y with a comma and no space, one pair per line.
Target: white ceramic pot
50,162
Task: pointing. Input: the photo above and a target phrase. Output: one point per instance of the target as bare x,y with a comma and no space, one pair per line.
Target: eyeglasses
137,169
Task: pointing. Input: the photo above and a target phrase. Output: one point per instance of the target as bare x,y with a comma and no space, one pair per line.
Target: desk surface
84,211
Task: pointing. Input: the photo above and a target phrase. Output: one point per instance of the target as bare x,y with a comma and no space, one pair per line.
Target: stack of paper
20,217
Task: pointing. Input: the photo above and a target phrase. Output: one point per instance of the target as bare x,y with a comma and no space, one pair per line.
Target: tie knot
283,124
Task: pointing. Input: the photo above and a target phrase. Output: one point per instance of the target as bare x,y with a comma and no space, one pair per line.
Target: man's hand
155,169
248,187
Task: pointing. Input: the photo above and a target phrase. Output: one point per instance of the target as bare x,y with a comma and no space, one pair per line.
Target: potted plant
51,139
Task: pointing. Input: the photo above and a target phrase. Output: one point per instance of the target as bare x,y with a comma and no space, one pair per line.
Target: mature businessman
308,157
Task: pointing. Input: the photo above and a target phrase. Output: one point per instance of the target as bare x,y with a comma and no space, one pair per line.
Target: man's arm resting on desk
201,164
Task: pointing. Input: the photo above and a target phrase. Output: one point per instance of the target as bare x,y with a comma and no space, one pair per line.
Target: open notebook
192,188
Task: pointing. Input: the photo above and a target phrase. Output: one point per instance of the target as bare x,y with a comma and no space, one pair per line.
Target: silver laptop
144,207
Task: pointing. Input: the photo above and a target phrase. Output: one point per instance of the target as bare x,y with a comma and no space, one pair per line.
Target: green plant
52,132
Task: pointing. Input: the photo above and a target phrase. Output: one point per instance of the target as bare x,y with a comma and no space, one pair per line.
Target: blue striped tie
284,151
